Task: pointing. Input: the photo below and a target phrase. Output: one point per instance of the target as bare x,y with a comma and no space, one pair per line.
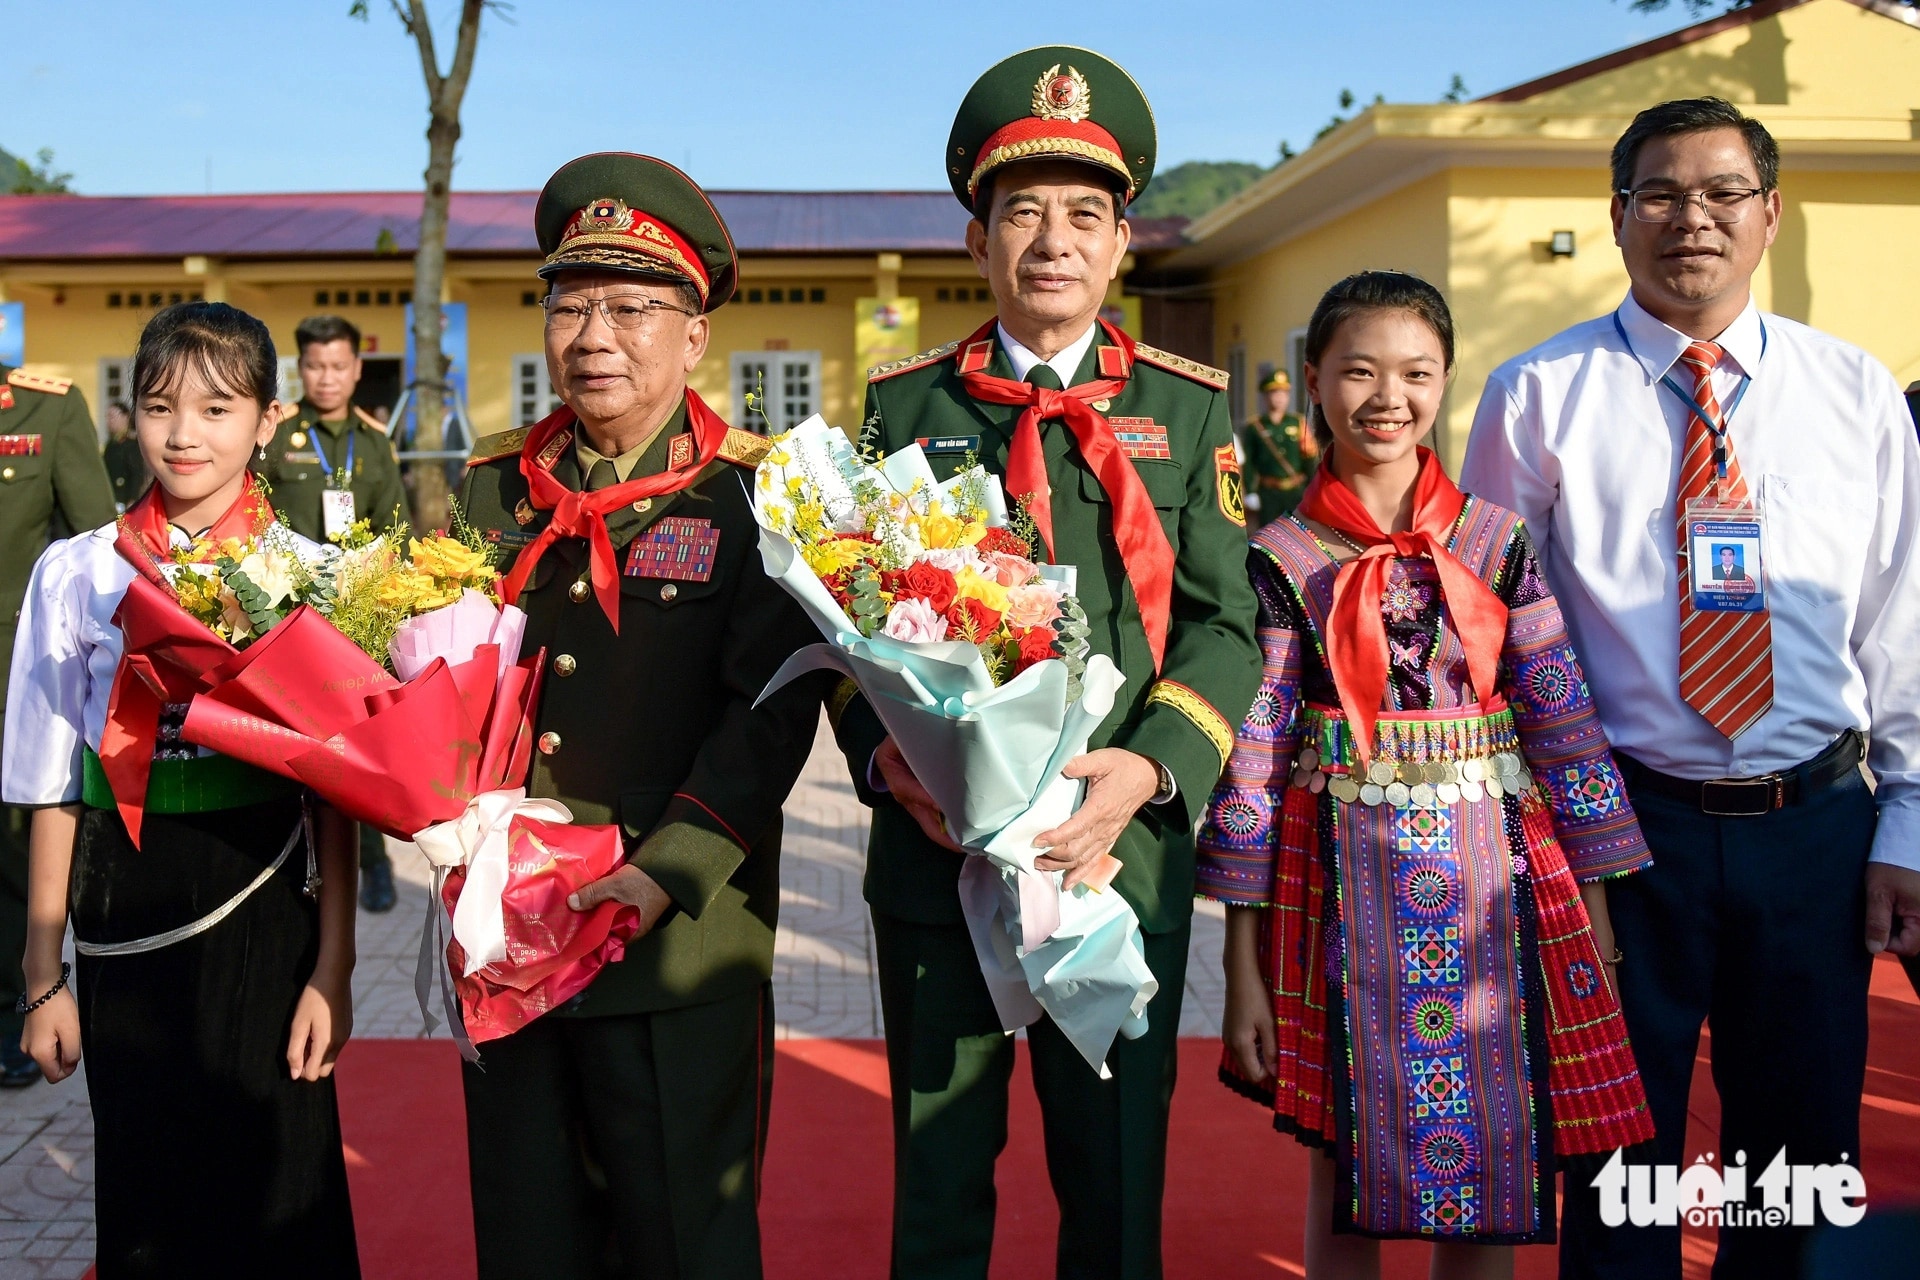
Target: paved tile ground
824,985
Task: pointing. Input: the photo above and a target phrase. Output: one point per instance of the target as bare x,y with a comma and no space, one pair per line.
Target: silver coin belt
1419,764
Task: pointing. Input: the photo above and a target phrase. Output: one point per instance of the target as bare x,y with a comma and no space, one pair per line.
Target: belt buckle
1741,797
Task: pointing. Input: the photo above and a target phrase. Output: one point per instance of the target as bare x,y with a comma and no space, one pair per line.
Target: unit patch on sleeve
678,548
1141,437
1226,478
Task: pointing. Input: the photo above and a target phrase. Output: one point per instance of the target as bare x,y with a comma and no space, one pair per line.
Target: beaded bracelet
21,1005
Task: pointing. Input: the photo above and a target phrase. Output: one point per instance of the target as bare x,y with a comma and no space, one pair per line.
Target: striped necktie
1726,659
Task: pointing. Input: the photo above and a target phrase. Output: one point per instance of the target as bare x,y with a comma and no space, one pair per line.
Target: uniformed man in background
1126,457
125,467
50,469
622,1133
330,464
1281,453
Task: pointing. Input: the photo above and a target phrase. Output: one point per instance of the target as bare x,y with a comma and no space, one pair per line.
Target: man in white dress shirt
1685,420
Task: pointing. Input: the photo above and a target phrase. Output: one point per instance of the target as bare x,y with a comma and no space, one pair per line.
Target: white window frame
783,411
292,388
533,396
1297,368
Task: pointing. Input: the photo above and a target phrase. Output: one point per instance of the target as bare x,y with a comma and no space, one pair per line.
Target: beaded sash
1421,759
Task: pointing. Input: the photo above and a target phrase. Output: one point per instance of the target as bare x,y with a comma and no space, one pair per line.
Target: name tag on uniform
949,444
507,538
295,456
26,446
1141,438
678,548
336,512
1725,570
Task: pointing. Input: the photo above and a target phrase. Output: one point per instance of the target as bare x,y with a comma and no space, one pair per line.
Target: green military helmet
1054,102
617,211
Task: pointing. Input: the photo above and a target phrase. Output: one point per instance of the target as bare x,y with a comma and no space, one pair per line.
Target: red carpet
1235,1188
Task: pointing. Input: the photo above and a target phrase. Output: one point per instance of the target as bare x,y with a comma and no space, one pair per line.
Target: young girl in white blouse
212,993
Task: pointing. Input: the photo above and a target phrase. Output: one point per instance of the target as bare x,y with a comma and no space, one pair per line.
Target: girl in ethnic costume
1415,981
209,1038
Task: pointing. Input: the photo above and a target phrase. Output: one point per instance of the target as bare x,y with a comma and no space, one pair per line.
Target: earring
263,453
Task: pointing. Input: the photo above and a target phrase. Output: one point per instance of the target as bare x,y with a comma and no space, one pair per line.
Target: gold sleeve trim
1215,378
1197,709
837,701
892,367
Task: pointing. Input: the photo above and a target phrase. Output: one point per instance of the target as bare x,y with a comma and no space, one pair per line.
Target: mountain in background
24,178
1191,189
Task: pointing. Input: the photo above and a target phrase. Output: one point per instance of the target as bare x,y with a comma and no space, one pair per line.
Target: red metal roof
344,224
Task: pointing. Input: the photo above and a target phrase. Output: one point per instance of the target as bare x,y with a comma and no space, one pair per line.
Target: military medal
523,512
298,440
679,549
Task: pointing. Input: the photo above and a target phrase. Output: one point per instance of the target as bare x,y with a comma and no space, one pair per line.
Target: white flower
952,559
271,572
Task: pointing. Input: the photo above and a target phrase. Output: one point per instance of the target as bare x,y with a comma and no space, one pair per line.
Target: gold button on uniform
6,474
579,591
549,743
644,505
669,591
564,665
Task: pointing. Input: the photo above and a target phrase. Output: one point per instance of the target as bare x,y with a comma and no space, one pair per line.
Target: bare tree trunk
444,96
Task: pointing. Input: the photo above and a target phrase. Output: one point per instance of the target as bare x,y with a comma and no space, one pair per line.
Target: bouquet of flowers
385,676
976,658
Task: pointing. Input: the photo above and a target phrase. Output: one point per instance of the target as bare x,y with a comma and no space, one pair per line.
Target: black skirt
209,1159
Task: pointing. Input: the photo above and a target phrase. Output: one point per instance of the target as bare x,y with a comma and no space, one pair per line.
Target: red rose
1036,645
924,582
999,539
970,619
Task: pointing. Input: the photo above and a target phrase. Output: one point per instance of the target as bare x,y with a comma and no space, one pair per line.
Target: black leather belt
1751,797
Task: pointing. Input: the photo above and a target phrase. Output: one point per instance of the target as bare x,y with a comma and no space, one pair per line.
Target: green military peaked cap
1054,102
617,211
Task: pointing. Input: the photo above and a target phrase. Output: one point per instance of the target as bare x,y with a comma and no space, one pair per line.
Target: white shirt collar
1066,362
1657,345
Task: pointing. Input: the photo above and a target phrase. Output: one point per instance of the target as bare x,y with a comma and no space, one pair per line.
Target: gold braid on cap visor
621,249
1032,148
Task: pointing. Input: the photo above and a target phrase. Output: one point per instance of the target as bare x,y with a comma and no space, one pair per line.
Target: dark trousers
623,1146
373,847
949,1065
1752,925
15,825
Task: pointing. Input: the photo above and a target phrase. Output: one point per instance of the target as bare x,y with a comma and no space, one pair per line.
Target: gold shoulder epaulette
368,421
743,448
34,382
497,445
892,367
1202,373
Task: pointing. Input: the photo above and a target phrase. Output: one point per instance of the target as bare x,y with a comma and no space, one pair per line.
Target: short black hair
325,329
1695,115
231,350
1362,293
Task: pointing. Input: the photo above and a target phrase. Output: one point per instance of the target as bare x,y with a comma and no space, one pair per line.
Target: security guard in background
330,464
622,1133
50,469
1135,448
1281,453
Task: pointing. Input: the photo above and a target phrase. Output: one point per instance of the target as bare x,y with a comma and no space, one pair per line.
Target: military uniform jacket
294,471
1278,464
1172,421
49,465
654,728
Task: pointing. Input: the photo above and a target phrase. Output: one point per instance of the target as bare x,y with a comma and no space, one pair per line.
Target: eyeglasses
620,311
1723,204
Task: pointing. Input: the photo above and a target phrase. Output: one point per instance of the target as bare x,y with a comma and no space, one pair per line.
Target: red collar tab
976,356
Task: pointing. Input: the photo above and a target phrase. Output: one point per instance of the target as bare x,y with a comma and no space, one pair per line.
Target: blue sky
291,95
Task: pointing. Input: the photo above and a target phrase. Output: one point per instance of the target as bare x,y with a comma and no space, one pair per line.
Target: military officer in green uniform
330,464
1135,472
125,467
50,469
1281,453
629,1124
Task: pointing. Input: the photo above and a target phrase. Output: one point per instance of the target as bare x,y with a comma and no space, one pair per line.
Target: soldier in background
50,469
1281,454
125,467
330,464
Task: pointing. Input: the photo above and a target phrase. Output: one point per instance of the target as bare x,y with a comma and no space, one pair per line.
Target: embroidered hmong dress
1443,1025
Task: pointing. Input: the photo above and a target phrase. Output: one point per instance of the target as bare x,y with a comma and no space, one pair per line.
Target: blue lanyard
1718,430
320,451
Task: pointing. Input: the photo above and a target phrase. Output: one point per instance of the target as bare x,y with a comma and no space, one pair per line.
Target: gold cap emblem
1058,96
606,215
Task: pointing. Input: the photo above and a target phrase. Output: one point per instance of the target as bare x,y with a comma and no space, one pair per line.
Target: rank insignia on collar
1141,437
678,548
555,447
523,512
27,446
976,356
1062,97
6,396
1226,478
1113,362
297,440
680,451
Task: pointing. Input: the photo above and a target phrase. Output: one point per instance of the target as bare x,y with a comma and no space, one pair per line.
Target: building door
785,385
379,383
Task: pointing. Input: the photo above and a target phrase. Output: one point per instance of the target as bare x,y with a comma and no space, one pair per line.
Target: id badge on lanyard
336,499
1726,561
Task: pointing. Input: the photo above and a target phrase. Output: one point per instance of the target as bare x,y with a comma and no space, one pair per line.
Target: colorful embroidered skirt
1443,1025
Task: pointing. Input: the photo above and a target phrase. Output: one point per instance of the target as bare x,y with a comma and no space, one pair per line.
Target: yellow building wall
1827,54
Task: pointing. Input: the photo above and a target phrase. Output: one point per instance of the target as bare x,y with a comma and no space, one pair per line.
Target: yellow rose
969,582
972,533
829,558
939,531
443,557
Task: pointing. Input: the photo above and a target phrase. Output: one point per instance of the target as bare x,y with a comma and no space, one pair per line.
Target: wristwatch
1168,788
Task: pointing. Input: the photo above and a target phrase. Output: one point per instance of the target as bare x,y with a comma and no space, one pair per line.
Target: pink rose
1008,570
914,621
1033,606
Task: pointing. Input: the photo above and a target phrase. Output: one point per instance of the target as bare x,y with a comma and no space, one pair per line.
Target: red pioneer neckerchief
577,514
1144,548
160,667
1356,637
